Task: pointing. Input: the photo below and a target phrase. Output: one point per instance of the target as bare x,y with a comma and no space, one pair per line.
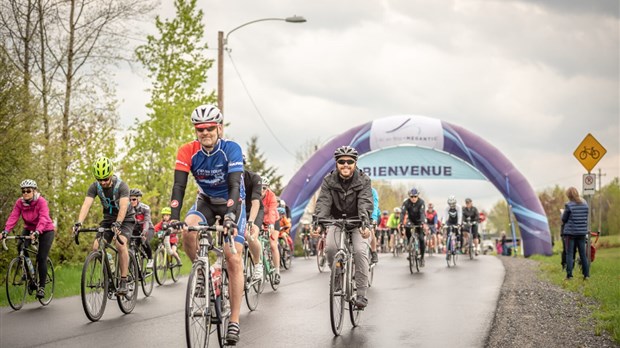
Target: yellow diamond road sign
589,152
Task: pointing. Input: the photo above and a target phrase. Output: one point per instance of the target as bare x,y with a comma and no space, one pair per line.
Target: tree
176,62
552,200
257,163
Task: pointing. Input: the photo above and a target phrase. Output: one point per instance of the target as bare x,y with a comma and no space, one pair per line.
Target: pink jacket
36,215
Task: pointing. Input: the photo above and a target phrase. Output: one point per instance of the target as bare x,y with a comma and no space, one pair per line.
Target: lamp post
222,41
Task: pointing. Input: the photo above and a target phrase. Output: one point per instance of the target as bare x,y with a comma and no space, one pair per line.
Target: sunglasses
104,180
208,129
27,191
134,199
413,196
342,162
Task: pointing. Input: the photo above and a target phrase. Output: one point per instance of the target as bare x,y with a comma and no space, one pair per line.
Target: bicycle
18,277
469,225
342,286
414,250
164,262
305,242
286,256
321,256
145,274
451,244
207,300
385,239
399,243
101,278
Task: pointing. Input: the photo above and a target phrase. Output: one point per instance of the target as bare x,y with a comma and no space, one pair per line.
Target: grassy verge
603,285
68,279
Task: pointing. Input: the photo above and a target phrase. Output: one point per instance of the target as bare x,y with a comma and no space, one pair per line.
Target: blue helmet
414,192
281,210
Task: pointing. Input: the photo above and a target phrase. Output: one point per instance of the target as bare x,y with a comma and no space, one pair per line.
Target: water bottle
30,267
111,261
216,278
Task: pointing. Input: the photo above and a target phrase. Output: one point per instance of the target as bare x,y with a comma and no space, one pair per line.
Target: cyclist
33,209
452,218
118,214
282,204
170,241
270,218
305,233
376,215
431,222
346,193
144,225
413,213
470,214
382,227
393,223
217,166
285,228
254,212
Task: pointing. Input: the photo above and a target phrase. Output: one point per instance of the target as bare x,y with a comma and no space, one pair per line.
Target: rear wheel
197,316
337,294
161,266
175,268
285,254
50,283
16,283
94,286
127,302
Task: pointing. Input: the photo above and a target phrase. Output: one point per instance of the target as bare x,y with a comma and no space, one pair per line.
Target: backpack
107,202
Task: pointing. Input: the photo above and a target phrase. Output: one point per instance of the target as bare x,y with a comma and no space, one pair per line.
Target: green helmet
102,168
166,211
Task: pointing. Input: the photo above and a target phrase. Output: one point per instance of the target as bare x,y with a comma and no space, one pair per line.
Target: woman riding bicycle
144,225
33,209
346,193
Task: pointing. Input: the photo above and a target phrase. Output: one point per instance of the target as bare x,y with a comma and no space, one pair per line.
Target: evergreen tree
257,163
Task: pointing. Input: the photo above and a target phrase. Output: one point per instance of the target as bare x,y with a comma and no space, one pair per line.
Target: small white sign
589,184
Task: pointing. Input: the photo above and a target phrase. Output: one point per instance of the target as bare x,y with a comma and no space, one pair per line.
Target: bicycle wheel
175,268
94,286
16,283
161,266
251,288
449,249
470,247
355,314
268,268
371,271
285,254
197,314
337,294
224,310
128,302
416,255
147,278
50,283
321,258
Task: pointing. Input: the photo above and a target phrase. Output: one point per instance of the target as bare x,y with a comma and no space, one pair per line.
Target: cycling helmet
467,200
305,222
345,151
166,211
282,203
207,114
102,168
430,206
451,200
414,192
28,183
135,192
397,210
281,211
385,212
266,182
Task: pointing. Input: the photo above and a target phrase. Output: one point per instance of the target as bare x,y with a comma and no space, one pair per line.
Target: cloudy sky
530,77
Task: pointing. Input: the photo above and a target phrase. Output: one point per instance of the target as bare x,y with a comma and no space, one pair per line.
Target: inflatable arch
383,135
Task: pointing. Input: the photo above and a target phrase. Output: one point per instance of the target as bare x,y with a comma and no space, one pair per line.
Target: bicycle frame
103,246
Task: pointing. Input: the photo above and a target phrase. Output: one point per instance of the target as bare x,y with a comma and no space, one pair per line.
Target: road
437,307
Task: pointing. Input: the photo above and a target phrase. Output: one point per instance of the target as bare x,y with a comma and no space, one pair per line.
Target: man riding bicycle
452,219
346,193
217,166
413,209
144,226
471,217
393,224
118,214
254,211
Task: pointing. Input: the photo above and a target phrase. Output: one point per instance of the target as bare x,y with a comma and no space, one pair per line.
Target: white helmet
452,200
207,114
397,210
265,182
282,203
28,183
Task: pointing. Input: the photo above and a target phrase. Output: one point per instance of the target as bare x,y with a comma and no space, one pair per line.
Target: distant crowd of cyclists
245,204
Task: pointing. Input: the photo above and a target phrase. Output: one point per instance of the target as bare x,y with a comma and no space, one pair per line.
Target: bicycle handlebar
76,235
34,239
216,228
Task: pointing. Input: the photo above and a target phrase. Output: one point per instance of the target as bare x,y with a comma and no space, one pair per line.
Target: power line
256,106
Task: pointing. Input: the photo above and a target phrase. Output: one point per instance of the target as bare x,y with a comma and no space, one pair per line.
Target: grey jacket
334,201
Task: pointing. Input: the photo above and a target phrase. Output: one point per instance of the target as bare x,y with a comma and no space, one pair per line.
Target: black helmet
135,192
346,151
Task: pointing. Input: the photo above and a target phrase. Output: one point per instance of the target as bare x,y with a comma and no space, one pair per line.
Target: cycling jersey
471,213
173,236
383,222
270,204
393,220
431,217
110,198
414,211
452,215
143,217
253,185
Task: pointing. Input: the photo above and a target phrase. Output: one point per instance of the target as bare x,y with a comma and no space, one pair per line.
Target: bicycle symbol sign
589,152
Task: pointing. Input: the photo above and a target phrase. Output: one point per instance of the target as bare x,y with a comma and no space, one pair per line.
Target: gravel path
535,313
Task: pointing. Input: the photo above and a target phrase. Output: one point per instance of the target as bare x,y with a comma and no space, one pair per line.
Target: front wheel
147,278
337,294
321,258
197,315
251,288
161,266
94,286
285,254
50,283
355,314
175,268
127,302
16,283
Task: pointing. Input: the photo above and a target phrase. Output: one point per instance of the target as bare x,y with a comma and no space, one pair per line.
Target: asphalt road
438,307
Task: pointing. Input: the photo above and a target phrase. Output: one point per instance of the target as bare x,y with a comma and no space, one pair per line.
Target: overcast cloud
531,77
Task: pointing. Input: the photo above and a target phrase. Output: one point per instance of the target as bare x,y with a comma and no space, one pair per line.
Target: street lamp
222,41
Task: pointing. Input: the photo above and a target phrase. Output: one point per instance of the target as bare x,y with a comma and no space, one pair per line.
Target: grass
68,278
603,285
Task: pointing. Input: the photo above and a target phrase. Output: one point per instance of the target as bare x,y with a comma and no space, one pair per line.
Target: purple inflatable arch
435,134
